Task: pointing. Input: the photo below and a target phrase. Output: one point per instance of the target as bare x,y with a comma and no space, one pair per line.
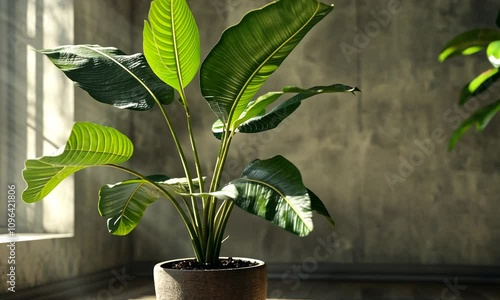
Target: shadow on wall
380,160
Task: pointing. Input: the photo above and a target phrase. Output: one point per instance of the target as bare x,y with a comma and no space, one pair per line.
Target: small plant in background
468,43
230,77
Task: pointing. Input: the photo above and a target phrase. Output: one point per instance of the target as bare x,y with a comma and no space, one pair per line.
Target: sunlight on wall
58,97
38,106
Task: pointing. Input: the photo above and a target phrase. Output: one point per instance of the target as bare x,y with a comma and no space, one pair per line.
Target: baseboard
466,274
371,272
387,272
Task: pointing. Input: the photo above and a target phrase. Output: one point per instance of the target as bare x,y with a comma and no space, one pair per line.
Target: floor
142,289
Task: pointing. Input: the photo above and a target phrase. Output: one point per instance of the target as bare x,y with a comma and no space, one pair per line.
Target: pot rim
259,264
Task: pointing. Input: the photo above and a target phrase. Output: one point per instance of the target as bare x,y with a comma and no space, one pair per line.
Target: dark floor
330,290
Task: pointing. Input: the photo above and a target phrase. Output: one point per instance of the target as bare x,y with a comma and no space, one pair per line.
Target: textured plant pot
248,283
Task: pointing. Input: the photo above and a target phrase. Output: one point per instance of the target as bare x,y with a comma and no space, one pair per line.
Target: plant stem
199,173
192,230
193,210
179,148
194,148
226,143
207,227
213,248
222,218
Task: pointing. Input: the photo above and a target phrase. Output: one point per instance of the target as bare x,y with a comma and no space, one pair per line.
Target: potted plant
230,77
468,43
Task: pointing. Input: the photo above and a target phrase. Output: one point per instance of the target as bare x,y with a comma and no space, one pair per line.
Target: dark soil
226,263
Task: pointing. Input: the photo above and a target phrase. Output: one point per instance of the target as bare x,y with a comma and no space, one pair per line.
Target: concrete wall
92,248
441,210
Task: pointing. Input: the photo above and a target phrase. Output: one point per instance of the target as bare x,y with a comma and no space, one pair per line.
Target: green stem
197,164
219,167
222,218
193,147
193,210
192,231
179,148
208,203
213,249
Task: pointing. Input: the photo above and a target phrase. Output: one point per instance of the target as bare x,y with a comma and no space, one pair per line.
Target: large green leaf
171,42
88,145
110,76
256,108
478,85
273,189
124,203
255,119
469,42
249,52
481,118
274,117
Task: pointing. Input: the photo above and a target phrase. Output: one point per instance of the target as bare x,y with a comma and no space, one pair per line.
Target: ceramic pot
248,283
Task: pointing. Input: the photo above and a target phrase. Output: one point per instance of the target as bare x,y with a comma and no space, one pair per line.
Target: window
36,100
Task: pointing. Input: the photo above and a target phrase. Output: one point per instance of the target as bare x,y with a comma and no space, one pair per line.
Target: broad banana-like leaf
249,52
318,206
274,117
478,85
88,145
124,203
481,118
171,42
493,53
273,189
255,119
469,42
110,76
257,107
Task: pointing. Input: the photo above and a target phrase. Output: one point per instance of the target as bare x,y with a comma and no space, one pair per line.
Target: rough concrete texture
354,151
92,248
439,208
